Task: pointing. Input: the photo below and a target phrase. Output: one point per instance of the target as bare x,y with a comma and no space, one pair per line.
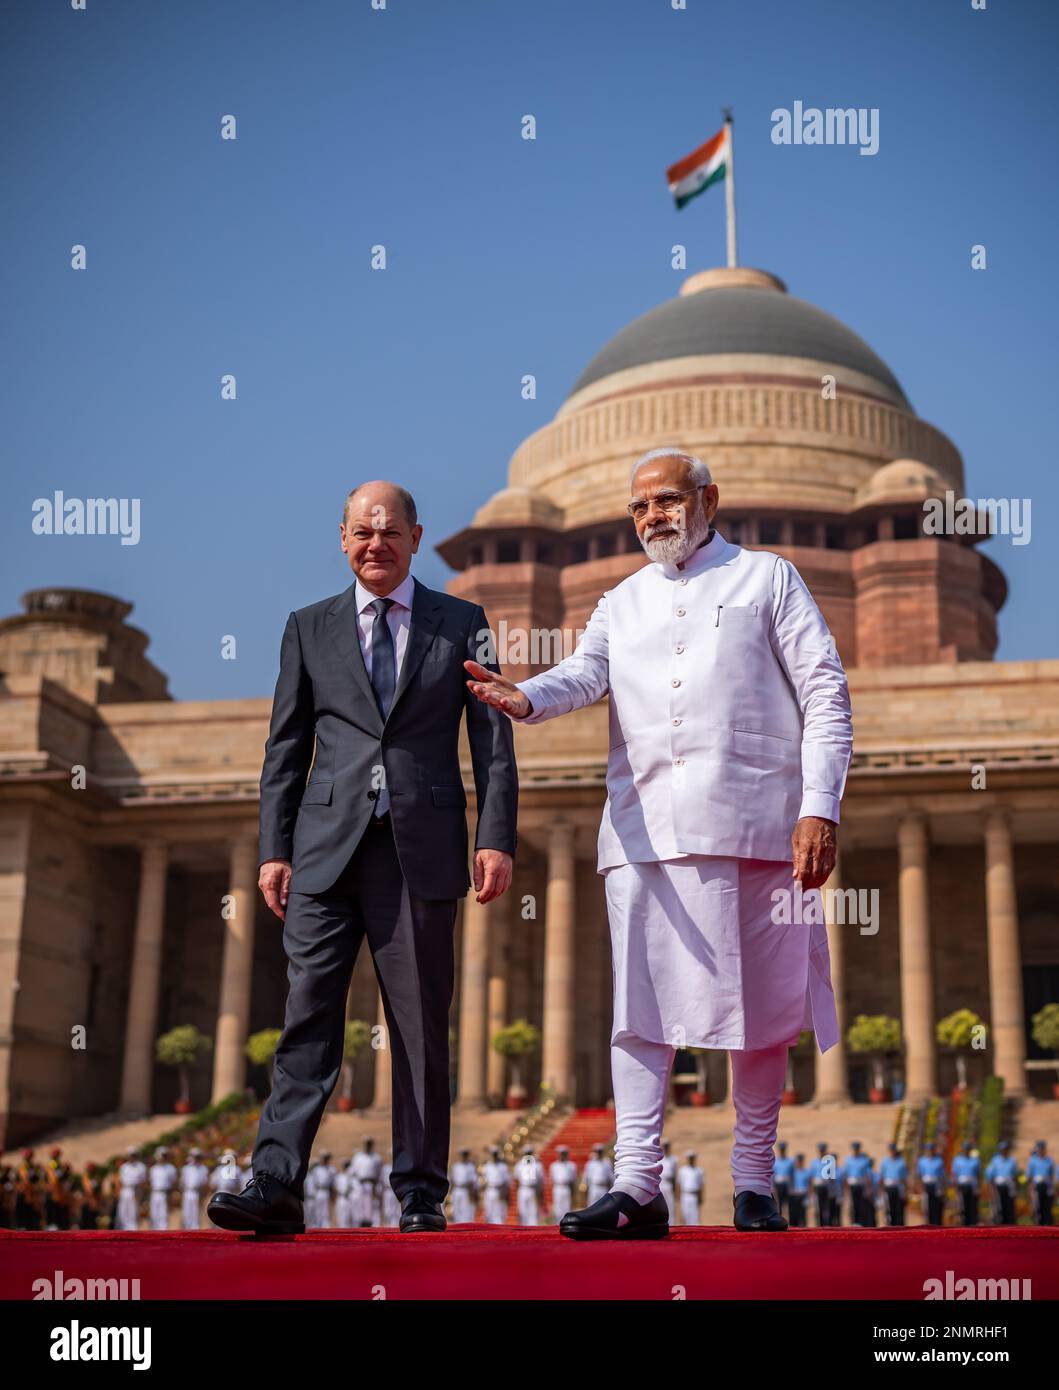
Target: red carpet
489,1262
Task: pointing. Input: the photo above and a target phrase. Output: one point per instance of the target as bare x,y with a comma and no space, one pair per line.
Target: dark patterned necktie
383,663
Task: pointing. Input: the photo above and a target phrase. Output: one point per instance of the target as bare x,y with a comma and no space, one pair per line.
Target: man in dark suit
373,844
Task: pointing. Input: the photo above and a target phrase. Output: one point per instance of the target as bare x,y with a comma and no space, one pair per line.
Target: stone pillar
237,968
496,992
1005,963
383,1060
832,1081
917,976
557,1065
470,1079
141,1017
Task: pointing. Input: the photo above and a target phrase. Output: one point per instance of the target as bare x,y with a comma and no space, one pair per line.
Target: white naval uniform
343,1205
323,1176
668,1184
194,1178
464,1181
729,719
599,1174
365,1170
226,1177
497,1182
131,1175
389,1206
163,1178
529,1175
690,1184
564,1180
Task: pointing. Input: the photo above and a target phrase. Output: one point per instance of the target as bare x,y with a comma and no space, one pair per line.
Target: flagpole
729,185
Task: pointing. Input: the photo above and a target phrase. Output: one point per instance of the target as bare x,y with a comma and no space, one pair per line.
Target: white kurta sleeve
580,679
806,650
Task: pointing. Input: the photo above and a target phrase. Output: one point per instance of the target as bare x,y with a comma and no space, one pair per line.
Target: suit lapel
344,634
426,615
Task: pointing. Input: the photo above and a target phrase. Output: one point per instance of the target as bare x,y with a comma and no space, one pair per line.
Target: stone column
832,1082
496,992
1005,962
237,967
917,976
141,1017
383,1060
557,1066
470,1079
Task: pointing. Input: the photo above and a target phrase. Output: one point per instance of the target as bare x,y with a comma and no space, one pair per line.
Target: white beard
675,548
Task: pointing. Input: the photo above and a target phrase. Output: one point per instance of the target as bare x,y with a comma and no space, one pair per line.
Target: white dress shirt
399,620
730,715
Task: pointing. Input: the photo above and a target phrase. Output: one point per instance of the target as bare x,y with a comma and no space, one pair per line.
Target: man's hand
273,878
815,847
492,873
492,689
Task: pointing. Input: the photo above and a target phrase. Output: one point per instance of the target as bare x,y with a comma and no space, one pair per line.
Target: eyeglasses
668,501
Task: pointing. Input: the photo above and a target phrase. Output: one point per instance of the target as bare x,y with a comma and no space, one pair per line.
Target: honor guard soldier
966,1174
564,1179
194,1179
1003,1173
669,1178
226,1176
497,1181
366,1169
163,1179
782,1167
464,1182
931,1169
798,1195
389,1206
57,1196
322,1177
893,1174
858,1178
343,1200
690,1186
1040,1174
824,1177
529,1175
28,1196
131,1176
599,1174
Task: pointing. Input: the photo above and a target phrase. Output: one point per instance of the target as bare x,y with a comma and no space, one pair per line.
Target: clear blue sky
505,257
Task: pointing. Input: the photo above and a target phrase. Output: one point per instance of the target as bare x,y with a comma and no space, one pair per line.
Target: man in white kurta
730,738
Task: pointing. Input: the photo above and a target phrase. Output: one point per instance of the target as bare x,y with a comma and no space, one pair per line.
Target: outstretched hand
495,690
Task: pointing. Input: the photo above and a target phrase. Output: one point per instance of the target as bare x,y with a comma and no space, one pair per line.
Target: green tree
1044,1030
261,1049
181,1047
874,1036
957,1032
514,1042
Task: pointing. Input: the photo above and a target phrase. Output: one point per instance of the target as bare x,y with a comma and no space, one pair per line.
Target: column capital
997,821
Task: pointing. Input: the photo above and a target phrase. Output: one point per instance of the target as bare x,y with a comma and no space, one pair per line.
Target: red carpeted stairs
500,1262
583,1129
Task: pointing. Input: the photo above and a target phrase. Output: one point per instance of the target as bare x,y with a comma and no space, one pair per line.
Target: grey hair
407,501
698,469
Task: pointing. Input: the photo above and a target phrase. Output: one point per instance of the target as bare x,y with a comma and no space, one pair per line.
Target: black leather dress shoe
419,1213
264,1207
617,1216
756,1212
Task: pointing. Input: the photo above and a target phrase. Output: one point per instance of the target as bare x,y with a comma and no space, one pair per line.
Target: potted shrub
801,1049
874,1036
1044,1027
701,1094
261,1049
181,1047
514,1042
358,1035
958,1032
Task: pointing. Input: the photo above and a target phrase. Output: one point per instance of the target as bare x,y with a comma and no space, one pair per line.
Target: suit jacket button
373,796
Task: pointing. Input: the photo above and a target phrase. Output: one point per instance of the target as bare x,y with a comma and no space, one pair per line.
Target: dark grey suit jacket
323,694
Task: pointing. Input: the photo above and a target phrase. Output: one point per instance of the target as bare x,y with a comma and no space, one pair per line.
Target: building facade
129,820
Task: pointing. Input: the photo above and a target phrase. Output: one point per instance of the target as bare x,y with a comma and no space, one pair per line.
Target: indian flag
694,174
